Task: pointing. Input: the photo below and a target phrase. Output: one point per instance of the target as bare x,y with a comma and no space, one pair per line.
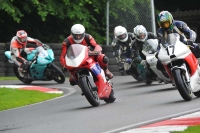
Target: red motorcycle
88,75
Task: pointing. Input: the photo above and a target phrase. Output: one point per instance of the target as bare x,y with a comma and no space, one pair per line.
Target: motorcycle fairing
192,62
8,55
38,72
96,69
75,55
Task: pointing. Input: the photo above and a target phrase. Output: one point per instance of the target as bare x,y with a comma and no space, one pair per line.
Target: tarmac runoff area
175,124
37,88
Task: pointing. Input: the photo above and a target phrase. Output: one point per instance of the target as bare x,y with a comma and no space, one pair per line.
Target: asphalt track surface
137,104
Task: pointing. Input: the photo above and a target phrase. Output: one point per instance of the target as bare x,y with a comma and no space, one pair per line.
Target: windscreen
74,50
170,39
150,46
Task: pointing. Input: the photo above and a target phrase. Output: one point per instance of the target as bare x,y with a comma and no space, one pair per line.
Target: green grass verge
8,78
12,98
191,129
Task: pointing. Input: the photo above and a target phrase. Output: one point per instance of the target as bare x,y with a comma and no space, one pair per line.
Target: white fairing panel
75,62
194,80
180,50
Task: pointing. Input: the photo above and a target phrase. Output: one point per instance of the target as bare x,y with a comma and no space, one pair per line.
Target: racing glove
190,43
129,60
93,52
45,46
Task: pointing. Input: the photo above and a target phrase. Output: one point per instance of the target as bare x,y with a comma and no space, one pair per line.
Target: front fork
90,79
184,68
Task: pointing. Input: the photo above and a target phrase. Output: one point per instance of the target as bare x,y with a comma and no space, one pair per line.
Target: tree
51,20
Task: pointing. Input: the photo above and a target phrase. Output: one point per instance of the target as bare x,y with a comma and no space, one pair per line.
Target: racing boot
108,73
71,81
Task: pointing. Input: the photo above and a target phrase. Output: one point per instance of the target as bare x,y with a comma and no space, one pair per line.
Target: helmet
21,36
140,33
165,20
78,33
121,33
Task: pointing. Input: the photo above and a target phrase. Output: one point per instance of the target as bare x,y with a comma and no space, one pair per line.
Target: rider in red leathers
18,48
78,36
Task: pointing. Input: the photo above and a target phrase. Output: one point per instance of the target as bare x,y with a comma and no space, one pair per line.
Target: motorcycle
150,50
181,65
41,66
88,75
126,67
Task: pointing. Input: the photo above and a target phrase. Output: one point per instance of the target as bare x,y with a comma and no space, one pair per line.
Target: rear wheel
57,74
90,94
23,79
148,82
182,85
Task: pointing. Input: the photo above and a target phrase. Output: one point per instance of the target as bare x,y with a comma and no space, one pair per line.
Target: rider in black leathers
122,42
141,36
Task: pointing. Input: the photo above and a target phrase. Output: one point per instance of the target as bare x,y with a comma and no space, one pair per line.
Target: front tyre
24,80
57,74
91,95
182,85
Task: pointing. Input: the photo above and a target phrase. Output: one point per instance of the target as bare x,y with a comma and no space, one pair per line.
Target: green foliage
54,18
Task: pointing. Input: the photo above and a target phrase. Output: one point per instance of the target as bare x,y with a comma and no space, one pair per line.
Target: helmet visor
78,36
141,36
121,37
165,24
22,40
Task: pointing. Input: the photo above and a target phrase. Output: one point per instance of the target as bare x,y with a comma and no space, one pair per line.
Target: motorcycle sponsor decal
170,49
96,69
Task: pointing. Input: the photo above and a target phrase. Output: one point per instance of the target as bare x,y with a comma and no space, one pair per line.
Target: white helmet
78,33
140,33
121,33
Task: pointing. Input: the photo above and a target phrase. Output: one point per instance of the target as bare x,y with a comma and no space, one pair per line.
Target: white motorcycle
181,65
150,50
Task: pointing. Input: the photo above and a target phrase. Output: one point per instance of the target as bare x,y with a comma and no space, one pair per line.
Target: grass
12,98
191,129
8,78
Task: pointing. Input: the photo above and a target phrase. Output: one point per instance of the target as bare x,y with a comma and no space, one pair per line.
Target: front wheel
90,94
182,85
57,74
23,79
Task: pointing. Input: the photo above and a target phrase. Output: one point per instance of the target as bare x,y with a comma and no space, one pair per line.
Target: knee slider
105,59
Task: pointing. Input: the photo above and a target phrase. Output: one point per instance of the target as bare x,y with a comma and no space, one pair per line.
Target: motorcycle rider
78,36
19,49
168,25
122,41
141,36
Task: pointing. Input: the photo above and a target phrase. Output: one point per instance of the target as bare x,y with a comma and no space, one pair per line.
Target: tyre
148,82
57,74
24,80
111,98
182,85
91,95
